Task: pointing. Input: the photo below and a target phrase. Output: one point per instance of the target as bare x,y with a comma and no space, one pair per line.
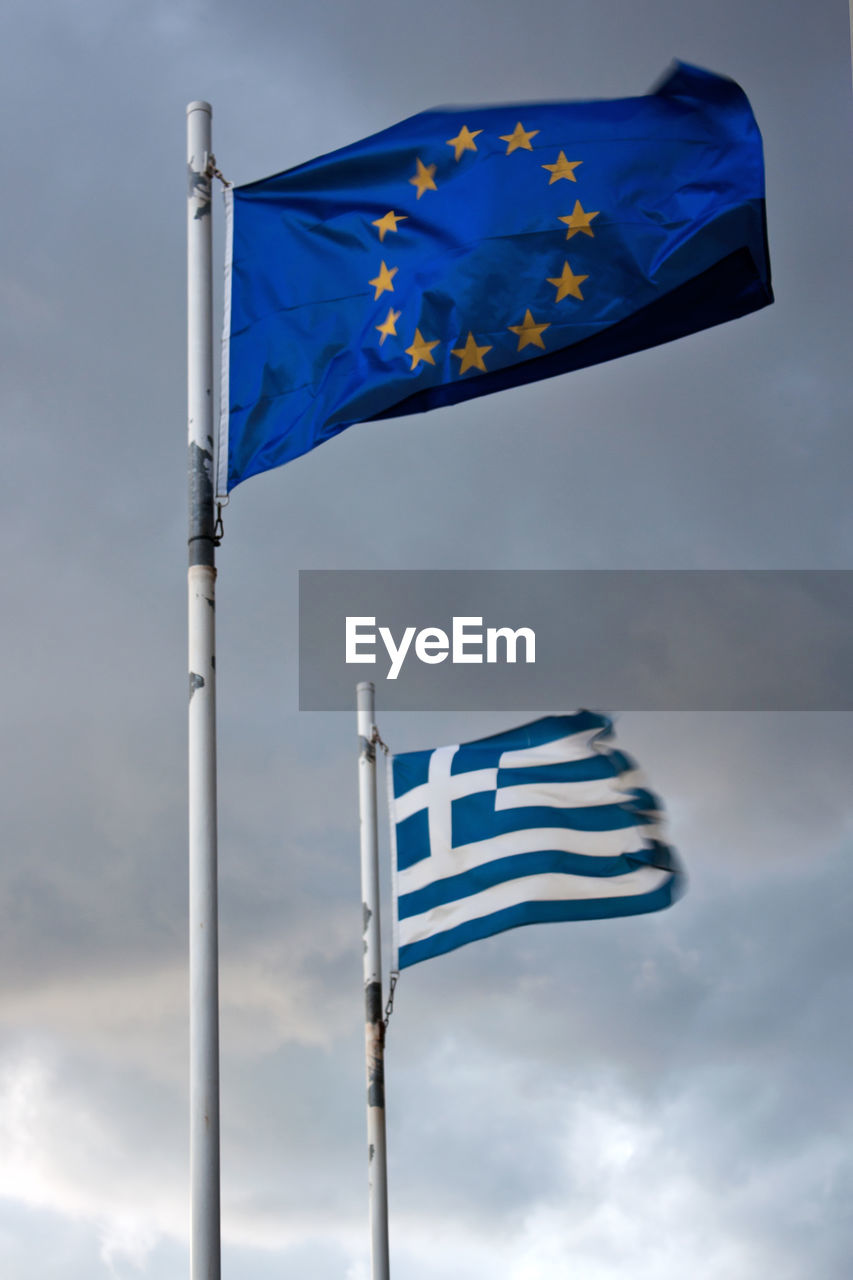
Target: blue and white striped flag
546,822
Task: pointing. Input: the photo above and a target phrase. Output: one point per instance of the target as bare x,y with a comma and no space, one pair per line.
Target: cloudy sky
655,1097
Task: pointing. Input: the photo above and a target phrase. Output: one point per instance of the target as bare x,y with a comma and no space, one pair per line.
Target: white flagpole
203,918
374,1026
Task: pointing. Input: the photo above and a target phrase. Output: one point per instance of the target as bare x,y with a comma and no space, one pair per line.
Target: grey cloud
651,1095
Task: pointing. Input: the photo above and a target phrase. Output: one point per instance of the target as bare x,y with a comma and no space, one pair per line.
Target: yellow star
464,141
383,282
424,178
529,332
562,169
388,326
578,220
388,223
519,138
471,355
567,283
421,349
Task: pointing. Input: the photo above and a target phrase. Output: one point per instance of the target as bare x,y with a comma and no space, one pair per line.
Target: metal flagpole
374,1026
203,918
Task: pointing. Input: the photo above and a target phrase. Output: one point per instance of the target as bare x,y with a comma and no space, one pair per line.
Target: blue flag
546,822
471,249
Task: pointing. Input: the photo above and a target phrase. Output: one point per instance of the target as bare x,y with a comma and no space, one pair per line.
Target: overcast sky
658,1097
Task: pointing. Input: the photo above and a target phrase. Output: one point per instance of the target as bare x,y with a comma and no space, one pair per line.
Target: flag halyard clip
212,172
393,979
219,528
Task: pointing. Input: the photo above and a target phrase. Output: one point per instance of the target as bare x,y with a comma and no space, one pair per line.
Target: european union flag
467,250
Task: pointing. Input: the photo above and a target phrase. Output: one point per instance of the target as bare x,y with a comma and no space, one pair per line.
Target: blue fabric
412,839
513,867
537,913
670,239
410,771
594,767
475,818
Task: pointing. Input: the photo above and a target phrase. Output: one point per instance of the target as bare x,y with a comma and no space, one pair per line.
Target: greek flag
545,822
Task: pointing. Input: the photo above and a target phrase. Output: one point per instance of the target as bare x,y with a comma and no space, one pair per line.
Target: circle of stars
529,333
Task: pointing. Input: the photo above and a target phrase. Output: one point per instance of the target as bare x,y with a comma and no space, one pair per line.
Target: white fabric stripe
560,751
458,785
224,399
413,801
438,786
563,795
547,888
595,844
632,778
576,746
546,793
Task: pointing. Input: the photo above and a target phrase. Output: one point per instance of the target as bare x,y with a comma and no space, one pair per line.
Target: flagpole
203,913
373,1011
